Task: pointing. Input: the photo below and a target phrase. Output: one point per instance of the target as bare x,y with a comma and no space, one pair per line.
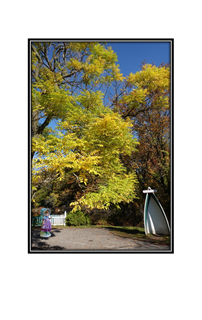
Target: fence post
65,217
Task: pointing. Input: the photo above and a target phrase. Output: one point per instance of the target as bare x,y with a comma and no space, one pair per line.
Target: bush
102,222
77,218
51,200
34,221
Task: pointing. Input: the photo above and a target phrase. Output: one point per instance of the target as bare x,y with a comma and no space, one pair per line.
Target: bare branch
49,62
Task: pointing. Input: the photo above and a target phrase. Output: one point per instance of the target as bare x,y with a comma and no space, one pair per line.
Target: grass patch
139,233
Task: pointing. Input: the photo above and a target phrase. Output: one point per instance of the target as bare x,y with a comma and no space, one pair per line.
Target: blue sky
132,54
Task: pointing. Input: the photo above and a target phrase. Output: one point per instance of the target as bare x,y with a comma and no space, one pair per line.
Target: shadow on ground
140,235
39,243
128,231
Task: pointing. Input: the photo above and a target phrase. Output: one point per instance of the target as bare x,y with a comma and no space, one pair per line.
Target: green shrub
34,221
77,218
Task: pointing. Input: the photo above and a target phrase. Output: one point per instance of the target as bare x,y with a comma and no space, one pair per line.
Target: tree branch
40,61
77,178
44,124
71,74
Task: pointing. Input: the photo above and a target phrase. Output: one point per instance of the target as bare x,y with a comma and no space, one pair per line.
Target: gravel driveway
91,240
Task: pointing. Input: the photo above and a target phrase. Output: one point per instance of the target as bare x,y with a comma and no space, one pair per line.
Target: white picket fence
58,220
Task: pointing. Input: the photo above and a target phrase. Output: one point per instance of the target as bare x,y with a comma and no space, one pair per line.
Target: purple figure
46,224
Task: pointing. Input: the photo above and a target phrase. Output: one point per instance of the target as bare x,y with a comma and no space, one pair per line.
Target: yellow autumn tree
87,144
146,102
89,138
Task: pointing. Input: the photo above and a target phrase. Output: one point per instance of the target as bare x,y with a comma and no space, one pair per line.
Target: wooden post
65,217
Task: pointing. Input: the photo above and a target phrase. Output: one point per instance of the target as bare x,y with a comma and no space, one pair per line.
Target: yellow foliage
89,137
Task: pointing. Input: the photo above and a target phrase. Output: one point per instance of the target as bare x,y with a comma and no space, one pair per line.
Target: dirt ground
90,240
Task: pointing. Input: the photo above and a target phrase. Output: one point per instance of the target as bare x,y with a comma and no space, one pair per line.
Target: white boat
155,220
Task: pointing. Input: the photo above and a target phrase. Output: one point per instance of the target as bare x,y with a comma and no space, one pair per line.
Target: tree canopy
112,133
146,102
89,137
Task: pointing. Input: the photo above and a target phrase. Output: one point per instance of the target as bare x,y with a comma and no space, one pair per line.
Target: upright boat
155,220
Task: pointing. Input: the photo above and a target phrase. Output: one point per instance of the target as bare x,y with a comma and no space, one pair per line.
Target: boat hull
155,220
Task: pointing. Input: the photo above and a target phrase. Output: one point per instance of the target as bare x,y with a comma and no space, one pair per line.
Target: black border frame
171,40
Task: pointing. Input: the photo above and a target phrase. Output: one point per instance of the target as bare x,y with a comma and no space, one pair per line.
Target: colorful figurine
46,224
